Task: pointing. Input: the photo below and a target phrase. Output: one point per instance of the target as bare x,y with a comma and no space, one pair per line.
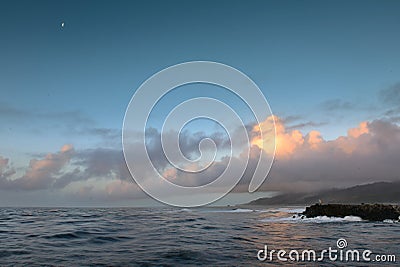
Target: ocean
187,237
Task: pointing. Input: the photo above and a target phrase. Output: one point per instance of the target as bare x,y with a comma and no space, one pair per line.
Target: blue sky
320,64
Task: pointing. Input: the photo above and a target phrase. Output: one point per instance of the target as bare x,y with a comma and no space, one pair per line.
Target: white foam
335,219
318,219
240,210
287,219
186,210
229,210
390,221
289,210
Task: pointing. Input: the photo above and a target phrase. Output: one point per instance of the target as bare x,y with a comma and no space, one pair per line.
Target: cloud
105,133
18,115
119,189
5,170
41,173
102,162
391,95
291,118
290,141
390,98
3,163
69,122
337,104
96,164
304,162
300,123
395,119
93,173
368,153
7,111
69,177
286,141
314,139
306,124
392,111
360,130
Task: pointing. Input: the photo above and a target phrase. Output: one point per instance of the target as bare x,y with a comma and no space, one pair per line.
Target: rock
370,212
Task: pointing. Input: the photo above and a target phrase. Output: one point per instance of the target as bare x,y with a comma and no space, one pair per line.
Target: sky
329,71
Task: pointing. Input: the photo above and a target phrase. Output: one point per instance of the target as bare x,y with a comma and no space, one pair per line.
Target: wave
318,219
391,221
185,210
278,210
228,210
289,210
239,210
179,210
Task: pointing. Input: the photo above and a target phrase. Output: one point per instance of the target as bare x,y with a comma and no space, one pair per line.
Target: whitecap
289,210
390,221
240,210
318,219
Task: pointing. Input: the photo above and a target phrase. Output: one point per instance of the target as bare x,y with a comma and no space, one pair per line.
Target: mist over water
177,237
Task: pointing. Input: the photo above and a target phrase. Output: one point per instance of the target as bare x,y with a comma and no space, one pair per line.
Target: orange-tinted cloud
368,153
170,173
314,139
305,162
41,172
361,129
288,142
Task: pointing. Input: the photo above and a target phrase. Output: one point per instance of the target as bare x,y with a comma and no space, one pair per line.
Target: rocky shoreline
370,212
